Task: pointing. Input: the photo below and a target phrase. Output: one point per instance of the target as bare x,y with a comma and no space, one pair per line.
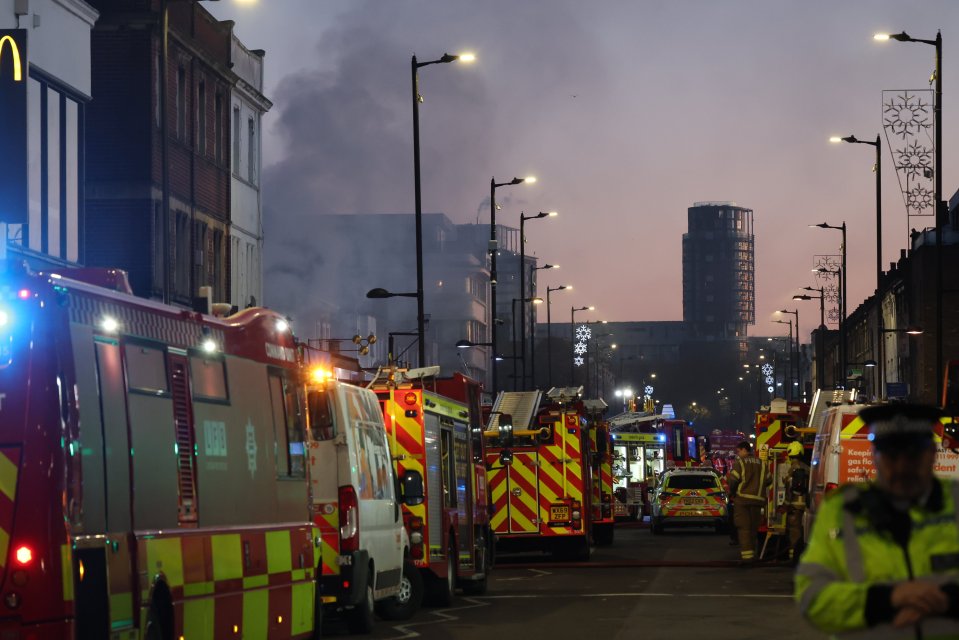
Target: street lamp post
522,356
417,98
942,210
532,325
572,338
795,312
880,375
791,395
822,328
549,334
493,250
842,295
522,278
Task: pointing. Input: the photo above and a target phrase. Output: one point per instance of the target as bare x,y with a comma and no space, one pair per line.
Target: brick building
125,151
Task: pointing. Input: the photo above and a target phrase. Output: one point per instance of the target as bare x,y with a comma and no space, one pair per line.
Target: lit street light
549,333
795,312
822,329
494,250
842,295
417,98
532,327
877,169
942,210
522,278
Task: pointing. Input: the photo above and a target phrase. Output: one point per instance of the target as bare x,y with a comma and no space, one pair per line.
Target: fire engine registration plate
558,513
694,500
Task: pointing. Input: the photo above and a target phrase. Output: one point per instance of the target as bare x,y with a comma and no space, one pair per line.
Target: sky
626,111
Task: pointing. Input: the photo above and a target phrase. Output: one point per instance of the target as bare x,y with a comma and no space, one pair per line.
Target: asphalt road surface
682,584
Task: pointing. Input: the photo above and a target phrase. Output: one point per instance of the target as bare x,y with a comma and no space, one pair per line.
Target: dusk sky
627,111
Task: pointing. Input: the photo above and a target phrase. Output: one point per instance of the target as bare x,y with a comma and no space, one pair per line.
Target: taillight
831,486
416,537
23,555
349,521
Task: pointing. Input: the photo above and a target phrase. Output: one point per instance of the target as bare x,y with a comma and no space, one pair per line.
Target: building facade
54,63
159,162
719,290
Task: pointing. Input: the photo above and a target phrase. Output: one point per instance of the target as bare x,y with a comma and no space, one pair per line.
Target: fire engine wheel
478,587
359,619
443,590
403,605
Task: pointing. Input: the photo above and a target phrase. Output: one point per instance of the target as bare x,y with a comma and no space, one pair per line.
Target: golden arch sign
14,71
15,52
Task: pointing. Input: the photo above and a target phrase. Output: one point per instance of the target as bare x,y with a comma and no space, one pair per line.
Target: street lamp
790,323
842,286
522,277
493,250
532,326
417,98
878,171
549,333
941,208
822,329
572,336
798,351
522,356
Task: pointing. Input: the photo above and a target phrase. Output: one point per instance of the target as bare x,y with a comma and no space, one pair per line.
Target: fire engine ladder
521,405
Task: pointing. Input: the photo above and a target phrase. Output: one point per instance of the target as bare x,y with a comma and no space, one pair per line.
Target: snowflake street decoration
833,315
769,380
770,389
905,115
767,369
919,198
578,361
914,160
579,348
583,333
648,390
908,125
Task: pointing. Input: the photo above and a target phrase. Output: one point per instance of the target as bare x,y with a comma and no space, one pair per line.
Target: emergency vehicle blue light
661,437
872,436
4,318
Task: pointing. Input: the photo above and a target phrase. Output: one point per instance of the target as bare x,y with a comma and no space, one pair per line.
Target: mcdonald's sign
14,77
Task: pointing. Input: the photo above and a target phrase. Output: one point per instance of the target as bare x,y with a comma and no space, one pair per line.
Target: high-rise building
719,288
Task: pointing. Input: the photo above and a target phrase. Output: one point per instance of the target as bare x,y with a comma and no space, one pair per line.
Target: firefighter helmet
794,450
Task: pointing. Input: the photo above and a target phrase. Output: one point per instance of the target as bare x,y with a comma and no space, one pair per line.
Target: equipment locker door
523,489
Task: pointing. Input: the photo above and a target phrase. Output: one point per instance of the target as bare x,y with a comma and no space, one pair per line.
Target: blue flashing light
872,436
661,437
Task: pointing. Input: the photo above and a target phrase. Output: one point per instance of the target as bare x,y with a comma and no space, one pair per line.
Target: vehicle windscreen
691,481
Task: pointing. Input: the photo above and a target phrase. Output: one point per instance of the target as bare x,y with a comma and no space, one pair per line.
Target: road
683,584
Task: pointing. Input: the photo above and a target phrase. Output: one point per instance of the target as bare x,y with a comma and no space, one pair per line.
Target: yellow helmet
794,450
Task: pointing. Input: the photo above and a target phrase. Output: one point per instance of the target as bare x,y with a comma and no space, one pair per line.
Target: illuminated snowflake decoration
770,389
906,115
583,333
770,380
648,390
579,348
578,361
919,198
914,160
767,369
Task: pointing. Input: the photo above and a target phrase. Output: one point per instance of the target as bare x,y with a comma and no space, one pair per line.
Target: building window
236,140
181,103
201,118
251,151
219,290
218,127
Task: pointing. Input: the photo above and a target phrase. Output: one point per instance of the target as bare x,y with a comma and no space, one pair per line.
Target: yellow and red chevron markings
326,520
407,447
9,472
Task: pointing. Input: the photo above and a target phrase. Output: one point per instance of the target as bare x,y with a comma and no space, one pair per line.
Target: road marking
443,616
540,573
533,596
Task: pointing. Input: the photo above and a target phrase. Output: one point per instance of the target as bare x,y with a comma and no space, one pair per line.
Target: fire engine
644,446
154,475
435,430
602,517
779,425
539,462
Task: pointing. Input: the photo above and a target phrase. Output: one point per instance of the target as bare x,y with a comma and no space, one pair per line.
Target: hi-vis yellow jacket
844,580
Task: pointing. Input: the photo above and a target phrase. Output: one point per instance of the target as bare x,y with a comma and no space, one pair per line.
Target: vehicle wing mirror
412,486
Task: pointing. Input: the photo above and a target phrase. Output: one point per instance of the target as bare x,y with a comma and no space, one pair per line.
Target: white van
356,505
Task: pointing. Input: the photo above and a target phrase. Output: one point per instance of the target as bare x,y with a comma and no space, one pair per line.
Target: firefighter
883,556
748,481
797,487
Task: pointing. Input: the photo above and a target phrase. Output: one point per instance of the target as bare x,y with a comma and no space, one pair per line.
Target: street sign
14,76
897,389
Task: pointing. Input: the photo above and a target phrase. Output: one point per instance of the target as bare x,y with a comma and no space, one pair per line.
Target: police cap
900,426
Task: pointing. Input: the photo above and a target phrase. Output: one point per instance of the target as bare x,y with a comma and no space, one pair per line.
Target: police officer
797,486
883,556
747,481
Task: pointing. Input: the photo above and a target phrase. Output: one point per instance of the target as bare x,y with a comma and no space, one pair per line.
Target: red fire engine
153,470
435,429
539,461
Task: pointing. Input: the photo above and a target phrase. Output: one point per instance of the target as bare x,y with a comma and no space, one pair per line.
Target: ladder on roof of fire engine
391,376
564,395
521,405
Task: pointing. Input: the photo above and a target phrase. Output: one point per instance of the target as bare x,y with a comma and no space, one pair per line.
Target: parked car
689,496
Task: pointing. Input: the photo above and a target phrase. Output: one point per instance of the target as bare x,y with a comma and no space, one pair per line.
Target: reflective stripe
851,545
820,577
